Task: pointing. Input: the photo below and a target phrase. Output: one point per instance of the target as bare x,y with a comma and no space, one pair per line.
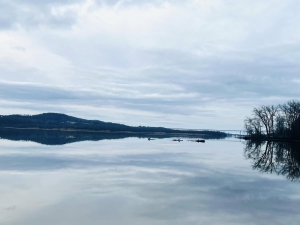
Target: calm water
135,181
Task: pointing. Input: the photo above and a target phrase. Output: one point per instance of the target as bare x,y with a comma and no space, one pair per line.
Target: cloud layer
198,64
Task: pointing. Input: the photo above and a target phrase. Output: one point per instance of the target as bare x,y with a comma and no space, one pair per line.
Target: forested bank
275,122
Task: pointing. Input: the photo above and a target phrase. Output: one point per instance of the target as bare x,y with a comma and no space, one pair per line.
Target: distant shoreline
103,131
64,123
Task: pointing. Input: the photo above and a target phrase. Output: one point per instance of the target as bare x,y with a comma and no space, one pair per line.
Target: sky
201,64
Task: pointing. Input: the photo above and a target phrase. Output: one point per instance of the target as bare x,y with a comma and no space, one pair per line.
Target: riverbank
107,131
275,139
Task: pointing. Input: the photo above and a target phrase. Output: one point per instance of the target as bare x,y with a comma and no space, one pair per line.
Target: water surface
136,181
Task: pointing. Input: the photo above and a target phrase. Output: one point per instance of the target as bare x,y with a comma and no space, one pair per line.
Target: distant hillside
69,123
57,137
57,121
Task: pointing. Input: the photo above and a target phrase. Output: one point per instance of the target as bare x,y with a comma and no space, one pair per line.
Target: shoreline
248,138
102,131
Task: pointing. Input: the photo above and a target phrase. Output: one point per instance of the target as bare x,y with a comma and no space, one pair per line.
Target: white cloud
199,63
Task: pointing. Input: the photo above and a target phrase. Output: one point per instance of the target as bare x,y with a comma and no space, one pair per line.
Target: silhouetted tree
280,126
282,121
267,115
291,111
253,126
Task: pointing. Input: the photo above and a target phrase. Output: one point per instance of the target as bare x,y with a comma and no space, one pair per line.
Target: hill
62,122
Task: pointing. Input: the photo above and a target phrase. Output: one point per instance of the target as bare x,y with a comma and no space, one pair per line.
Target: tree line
279,121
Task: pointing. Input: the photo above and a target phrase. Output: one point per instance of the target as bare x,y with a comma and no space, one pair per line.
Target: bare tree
282,121
280,126
271,112
291,111
267,116
253,126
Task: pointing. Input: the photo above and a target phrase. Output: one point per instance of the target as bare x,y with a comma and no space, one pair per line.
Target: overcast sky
189,64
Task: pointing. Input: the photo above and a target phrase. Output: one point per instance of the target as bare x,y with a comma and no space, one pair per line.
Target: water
139,182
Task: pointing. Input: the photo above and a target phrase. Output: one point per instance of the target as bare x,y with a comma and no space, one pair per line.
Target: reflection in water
282,158
139,182
56,137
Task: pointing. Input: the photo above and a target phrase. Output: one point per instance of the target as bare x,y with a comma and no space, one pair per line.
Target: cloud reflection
145,183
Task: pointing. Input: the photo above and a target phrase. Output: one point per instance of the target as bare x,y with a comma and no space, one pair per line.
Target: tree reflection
59,137
282,158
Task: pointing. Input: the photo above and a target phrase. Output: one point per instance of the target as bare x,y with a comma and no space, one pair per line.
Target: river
134,181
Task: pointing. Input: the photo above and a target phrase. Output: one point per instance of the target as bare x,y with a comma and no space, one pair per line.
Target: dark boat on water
199,141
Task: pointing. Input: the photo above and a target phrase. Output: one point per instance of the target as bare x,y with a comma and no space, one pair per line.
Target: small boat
150,139
199,141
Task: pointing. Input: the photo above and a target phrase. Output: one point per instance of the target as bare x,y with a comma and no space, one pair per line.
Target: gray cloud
160,60
128,3
34,13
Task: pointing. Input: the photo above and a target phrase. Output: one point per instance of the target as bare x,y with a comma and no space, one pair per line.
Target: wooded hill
52,121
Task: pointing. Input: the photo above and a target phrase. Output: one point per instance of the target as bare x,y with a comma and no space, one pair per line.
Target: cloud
34,13
195,62
11,208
